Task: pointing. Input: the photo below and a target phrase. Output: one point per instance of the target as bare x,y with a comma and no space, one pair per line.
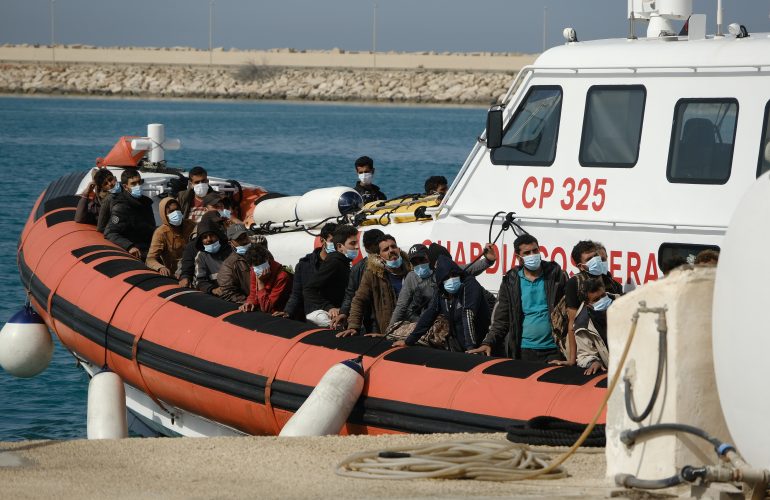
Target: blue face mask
116,188
225,213
213,248
452,285
532,262
605,267
330,247
595,266
136,191
175,217
394,264
351,254
423,270
602,304
241,250
260,269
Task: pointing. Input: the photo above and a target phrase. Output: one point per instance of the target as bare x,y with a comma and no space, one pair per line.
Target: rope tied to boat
483,460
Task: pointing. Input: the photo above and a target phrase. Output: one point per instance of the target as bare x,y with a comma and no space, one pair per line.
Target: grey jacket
417,293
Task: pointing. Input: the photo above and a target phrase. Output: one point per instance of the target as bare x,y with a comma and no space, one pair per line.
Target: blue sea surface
286,147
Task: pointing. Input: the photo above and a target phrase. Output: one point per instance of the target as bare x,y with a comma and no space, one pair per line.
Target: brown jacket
168,241
233,278
376,292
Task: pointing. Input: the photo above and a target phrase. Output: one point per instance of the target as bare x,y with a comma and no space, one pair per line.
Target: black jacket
370,193
132,222
303,273
467,311
326,289
187,264
207,264
508,317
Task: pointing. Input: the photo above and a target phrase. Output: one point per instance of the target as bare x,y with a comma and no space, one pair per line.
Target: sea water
285,147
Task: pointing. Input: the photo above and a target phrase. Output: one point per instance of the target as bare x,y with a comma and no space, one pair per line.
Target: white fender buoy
327,408
106,407
26,347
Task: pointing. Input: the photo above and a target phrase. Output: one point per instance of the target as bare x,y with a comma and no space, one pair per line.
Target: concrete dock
254,467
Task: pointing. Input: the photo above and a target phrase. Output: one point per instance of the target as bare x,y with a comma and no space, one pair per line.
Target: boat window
530,138
764,146
612,126
669,253
702,140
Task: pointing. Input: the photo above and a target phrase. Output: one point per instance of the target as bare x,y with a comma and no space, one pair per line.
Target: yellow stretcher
407,208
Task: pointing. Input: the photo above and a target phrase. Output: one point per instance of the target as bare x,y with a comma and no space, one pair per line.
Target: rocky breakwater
255,82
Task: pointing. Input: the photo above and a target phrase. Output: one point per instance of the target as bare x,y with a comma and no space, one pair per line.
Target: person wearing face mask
460,299
591,328
589,262
304,271
132,222
610,284
98,193
529,293
169,239
365,170
191,200
369,323
380,286
233,277
270,283
324,292
212,249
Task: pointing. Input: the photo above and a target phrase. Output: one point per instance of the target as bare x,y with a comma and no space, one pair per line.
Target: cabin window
530,138
764,145
702,141
612,126
671,253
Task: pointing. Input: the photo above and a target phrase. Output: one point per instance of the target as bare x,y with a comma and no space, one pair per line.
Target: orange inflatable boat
249,371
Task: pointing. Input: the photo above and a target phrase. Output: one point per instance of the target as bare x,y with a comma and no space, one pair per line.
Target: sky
402,25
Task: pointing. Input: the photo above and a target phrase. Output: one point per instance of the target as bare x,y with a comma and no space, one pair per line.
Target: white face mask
201,189
366,178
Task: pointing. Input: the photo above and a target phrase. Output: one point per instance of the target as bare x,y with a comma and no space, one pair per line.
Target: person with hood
212,252
98,193
380,286
191,200
591,328
169,239
304,272
324,292
369,192
132,222
461,300
529,293
233,276
270,283
369,241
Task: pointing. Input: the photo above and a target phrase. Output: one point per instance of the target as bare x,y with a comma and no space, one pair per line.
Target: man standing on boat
132,222
529,293
191,200
369,192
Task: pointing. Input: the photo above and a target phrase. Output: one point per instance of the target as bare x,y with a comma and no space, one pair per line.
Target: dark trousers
541,355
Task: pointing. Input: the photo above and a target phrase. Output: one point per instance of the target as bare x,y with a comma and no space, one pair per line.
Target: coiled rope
483,460
474,459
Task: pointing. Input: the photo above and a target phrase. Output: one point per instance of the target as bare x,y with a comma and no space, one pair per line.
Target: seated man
380,286
304,272
169,239
436,185
98,192
270,283
529,293
191,200
211,254
324,292
591,328
460,299
589,262
234,274
356,275
368,191
132,222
